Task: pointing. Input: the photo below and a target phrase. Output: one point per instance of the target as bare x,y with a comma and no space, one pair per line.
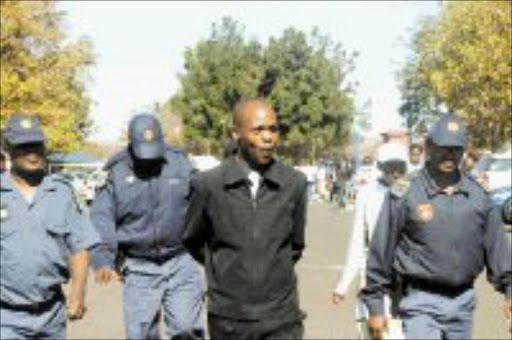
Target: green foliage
305,80
42,73
463,60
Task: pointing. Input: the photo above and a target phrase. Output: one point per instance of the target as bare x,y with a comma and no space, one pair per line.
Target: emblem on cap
130,179
453,127
149,135
26,124
425,212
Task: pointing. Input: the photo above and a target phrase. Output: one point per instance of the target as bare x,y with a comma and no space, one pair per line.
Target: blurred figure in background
392,162
3,162
415,158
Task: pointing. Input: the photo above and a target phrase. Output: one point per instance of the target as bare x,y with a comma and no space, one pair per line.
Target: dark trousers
269,328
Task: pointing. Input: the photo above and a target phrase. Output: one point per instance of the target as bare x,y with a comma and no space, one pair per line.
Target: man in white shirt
392,161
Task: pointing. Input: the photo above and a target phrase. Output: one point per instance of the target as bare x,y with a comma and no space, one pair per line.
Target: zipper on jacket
151,223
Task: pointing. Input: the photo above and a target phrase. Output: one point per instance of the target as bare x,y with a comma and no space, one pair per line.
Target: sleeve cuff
101,257
375,307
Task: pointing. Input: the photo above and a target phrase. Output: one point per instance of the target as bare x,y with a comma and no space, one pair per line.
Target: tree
219,71
42,73
463,59
306,83
305,80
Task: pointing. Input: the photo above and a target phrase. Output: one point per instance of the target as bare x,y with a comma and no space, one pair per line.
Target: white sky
140,44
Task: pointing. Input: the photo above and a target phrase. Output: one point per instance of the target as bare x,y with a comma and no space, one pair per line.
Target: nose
267,136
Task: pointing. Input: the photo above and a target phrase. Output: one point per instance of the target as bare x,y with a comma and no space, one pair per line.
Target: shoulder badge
400,187
425,212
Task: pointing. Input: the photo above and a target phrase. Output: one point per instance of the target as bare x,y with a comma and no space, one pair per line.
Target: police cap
448,131
24,129
146,138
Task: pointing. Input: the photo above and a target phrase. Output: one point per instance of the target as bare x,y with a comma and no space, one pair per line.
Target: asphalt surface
328,231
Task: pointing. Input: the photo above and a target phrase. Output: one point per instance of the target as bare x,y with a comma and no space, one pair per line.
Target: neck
250,163
443,179
27,189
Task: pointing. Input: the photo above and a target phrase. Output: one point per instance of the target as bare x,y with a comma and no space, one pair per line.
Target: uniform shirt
428,236
141,217
37,239
249,246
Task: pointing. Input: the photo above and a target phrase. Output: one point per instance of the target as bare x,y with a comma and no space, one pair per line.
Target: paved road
327,234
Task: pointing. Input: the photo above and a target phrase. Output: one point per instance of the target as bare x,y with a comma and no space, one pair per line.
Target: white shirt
255,179
368,205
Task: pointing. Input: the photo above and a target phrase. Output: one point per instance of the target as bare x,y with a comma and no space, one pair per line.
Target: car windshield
500,164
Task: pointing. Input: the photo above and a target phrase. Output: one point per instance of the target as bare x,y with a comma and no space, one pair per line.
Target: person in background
392,161
415,158
3,161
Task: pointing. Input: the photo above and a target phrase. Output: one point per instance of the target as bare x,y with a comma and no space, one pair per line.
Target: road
328,231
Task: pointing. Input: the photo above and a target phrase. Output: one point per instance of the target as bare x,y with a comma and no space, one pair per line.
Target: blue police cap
146,137
24,129
448,131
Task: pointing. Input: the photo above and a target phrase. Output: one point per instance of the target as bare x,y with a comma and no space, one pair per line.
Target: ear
234,134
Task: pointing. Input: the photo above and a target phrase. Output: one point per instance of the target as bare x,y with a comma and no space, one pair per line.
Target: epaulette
478,182
172,150
62,180
77,199
400,187
115,159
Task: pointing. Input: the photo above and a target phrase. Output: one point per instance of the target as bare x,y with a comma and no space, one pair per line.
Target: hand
76,309
337,298
377,326
104,275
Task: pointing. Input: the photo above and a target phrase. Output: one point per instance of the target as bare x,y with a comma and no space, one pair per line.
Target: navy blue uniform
436,242
141,218
140,214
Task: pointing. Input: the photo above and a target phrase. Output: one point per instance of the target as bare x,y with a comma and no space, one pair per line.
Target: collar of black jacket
235,172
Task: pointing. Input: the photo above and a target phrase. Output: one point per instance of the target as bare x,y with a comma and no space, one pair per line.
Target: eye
274,129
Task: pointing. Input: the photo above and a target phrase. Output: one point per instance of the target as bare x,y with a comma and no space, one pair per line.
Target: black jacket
248,247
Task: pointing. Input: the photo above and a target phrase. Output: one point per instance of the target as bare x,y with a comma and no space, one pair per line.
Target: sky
139,47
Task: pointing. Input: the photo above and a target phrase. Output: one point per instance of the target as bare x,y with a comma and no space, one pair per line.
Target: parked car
499,173
499,196
91,185
204,162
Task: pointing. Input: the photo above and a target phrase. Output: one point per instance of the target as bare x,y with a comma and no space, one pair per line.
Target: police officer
139,213
42,228
436,238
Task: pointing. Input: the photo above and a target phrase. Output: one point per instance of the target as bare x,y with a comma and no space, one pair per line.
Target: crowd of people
421,235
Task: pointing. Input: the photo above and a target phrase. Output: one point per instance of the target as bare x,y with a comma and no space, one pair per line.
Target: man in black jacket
246,224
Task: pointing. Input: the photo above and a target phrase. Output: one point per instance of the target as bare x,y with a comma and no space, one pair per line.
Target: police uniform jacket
248,246
431,239
37,238
141,218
